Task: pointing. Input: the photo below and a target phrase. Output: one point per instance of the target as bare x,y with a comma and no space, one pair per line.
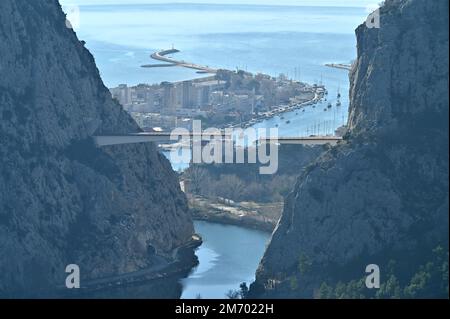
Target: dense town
229,98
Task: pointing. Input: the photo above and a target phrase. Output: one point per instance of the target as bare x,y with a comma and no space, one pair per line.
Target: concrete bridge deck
312,140
153,137
156,137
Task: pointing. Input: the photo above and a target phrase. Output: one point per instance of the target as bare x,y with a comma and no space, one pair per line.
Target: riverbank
262,217
183,260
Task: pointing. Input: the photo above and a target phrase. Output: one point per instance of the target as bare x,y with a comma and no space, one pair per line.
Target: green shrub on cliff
429,281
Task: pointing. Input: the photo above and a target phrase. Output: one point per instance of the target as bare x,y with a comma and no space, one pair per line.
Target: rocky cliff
62,199
381,197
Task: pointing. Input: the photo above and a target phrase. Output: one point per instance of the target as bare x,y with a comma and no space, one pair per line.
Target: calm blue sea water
269,39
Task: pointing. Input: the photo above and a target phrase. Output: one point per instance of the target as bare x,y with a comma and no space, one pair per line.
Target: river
228,256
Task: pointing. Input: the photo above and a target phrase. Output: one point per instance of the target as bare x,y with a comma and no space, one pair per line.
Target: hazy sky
348,3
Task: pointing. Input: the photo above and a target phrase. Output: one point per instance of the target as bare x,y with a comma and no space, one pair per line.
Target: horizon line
181,2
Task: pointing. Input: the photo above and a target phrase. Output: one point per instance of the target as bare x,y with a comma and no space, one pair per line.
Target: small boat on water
288,122
325,110
282,117
338,103
303,110
330,105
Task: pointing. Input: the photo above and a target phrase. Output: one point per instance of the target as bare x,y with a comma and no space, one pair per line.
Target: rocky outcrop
383,193
63,200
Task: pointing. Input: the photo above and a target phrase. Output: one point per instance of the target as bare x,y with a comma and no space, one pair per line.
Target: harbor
319,93
223,99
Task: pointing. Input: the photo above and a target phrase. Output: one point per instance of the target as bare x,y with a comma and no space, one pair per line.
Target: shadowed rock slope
381,197
63,200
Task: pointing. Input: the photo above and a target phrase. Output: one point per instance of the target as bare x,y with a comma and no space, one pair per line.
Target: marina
319,93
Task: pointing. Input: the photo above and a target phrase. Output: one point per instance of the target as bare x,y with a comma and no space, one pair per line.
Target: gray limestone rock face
383,192
62,199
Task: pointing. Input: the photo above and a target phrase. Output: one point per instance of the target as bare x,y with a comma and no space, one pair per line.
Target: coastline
313,94
225,219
